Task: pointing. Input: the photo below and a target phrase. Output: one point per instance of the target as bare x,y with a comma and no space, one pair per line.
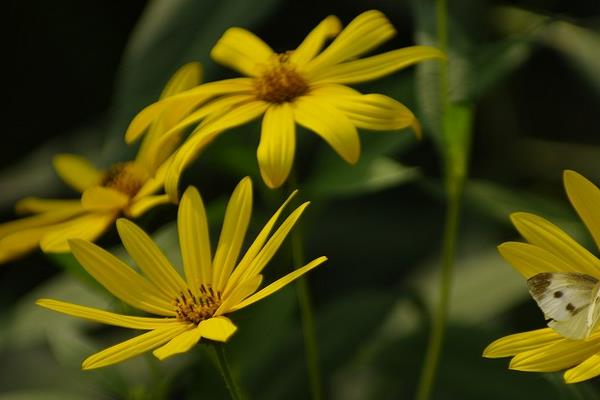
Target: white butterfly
569,300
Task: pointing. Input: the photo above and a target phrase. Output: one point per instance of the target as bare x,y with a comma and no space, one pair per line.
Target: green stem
308,320
434,346
232,386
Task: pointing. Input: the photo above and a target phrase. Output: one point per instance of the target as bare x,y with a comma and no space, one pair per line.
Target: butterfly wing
565,298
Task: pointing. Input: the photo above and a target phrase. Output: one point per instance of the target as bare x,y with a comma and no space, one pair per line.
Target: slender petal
315,40
530,260
548,236
151,261
374,67
520,342
144,204
555,356
105,317
585,197
186,77
272,245
88,226
37,205
256,246
135,346
219,329
278,284
98,198
119,279
369,111
179,344
237,218
189,150
38,220
241,50
239,293
21,242
194,240
588,369
277,144
76,171
189,99
329,123
364,33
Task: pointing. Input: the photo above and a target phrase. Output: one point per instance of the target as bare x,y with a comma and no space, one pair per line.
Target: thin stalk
232,386
308,320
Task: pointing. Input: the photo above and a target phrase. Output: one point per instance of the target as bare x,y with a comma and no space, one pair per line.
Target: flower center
280,82
194,309
127,178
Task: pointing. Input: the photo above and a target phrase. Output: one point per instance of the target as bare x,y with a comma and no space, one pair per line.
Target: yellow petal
99,198
37,205
555,356
150,259
278,284
22,242
548,236
76,171
513,344
201,138
179,344
530,260
241,50
133,347
141,206
194,240
237,218
88,226
364,33
105,317
255,247
219,329
188,99
369,111
277,144
38,220
374,67
314,41
329,123
588,369
121,280
171,136
272,245
186,77
585,197
239,293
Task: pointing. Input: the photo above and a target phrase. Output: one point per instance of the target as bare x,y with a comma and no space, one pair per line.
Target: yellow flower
549,249
306,86
124,188
192,307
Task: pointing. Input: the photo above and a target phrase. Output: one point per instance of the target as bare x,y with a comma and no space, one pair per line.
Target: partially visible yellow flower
194,306
306,86
125,188
549,249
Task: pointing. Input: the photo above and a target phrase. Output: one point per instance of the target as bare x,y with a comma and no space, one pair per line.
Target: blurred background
79,71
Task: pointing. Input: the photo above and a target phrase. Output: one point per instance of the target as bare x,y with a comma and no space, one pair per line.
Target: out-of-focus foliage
530,73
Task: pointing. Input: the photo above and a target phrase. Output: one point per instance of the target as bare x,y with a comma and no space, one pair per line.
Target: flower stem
308,320
232,386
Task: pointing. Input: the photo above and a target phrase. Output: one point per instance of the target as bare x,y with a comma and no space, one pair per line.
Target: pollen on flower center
280,82
194,309
125,177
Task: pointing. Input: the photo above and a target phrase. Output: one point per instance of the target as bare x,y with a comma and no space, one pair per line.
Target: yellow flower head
125,188
550,251
194,306
306,86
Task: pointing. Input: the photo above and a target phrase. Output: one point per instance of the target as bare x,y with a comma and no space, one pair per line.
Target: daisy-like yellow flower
125,188
194,306
306,86
551,250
